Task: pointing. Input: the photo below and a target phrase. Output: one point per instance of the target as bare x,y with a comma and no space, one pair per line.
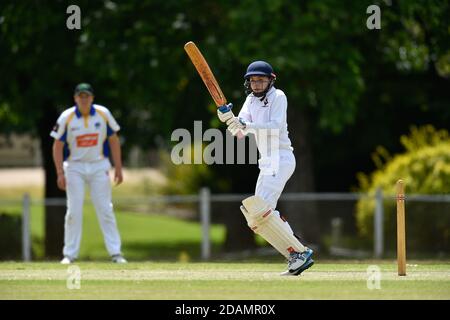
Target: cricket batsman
264,114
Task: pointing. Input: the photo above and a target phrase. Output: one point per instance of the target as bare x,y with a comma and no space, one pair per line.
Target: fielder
264,114
84,136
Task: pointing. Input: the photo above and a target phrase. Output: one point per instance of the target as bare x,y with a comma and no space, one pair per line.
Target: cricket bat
207,76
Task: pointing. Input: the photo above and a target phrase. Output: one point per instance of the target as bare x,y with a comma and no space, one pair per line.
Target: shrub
425,169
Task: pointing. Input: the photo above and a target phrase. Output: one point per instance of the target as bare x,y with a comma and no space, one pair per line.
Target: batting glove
224,112
235,125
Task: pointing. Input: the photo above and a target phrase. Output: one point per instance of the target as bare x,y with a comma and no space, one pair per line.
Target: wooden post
401,232
205,216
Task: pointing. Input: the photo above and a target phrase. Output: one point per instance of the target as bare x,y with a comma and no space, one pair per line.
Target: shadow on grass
190,251
163,251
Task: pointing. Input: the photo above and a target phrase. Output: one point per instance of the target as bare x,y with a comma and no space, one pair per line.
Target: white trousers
269,187
96,176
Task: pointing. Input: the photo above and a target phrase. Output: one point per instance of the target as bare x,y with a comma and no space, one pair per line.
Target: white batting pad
262,220
256,207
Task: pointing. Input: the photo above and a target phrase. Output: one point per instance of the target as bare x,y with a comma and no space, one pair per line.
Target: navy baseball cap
84,87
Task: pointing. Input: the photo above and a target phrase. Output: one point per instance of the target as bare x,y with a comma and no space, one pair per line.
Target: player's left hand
118,176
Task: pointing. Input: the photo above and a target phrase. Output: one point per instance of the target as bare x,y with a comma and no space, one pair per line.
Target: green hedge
425,169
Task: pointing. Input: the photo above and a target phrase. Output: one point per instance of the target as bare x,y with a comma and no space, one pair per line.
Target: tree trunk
302,216
54,214
238,235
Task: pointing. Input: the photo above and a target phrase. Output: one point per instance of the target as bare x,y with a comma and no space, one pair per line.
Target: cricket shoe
299,262
66,260
118,258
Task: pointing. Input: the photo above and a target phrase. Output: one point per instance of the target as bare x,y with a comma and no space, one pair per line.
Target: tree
130,52
38,57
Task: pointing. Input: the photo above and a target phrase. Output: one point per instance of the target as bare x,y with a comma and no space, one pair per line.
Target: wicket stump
401,233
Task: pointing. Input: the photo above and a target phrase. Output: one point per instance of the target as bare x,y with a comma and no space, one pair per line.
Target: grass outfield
218,281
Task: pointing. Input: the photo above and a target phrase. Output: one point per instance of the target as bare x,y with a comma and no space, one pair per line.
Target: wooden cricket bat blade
205,73
207,76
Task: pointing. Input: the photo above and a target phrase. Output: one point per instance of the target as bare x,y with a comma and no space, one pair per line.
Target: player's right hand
61,182
224,112
118,176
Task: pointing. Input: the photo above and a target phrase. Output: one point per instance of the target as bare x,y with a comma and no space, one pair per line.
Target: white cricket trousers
269,187
96,176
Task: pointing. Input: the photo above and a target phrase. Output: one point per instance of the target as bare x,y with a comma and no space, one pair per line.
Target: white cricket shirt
85,137
267,118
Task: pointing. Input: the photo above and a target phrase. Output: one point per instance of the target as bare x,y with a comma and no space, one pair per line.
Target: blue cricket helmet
259,68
